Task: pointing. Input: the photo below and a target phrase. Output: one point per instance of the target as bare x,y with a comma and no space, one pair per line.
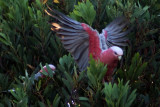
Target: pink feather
107,56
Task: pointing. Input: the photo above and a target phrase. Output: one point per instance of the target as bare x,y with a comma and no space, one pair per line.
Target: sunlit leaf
56,1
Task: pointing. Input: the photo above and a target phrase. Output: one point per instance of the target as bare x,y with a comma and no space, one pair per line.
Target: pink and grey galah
81,40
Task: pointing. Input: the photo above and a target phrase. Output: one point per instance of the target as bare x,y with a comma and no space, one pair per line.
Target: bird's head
118,52
52,67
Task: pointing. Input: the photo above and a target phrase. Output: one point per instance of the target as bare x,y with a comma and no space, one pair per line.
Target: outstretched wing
115,33
74,38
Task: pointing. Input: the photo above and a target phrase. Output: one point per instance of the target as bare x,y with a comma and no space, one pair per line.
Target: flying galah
81,40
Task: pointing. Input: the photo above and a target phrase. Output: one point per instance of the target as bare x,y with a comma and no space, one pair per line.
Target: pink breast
108,57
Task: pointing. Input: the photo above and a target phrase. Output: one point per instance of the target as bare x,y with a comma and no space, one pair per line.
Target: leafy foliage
119,95
95,74
26,42
84,10
134,69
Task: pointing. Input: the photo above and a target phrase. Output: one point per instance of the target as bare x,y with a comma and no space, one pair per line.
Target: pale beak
119,57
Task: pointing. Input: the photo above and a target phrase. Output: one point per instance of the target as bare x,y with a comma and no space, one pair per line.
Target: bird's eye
115,53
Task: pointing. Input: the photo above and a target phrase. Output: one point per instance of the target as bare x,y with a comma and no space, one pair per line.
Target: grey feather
116,36
70,34
73,37
62,16
84,62
70,30
37,75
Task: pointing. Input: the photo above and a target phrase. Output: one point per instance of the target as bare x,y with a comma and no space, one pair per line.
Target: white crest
118,50
51,66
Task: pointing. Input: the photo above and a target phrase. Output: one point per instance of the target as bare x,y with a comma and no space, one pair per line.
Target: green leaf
84,10
66,64
92,79
41,104
95,73
119,95
4,39
50,72
56,101
83,98
1,105
43,71
67,84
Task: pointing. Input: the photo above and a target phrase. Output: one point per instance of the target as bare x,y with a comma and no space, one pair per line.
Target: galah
40,75
81,40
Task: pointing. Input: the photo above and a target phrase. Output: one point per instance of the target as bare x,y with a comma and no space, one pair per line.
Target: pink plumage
94,42
107,56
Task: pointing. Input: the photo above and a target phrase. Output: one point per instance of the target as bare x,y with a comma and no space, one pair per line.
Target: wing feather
117,31
74,38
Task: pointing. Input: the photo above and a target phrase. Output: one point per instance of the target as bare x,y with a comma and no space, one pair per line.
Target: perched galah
39,74
81,40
